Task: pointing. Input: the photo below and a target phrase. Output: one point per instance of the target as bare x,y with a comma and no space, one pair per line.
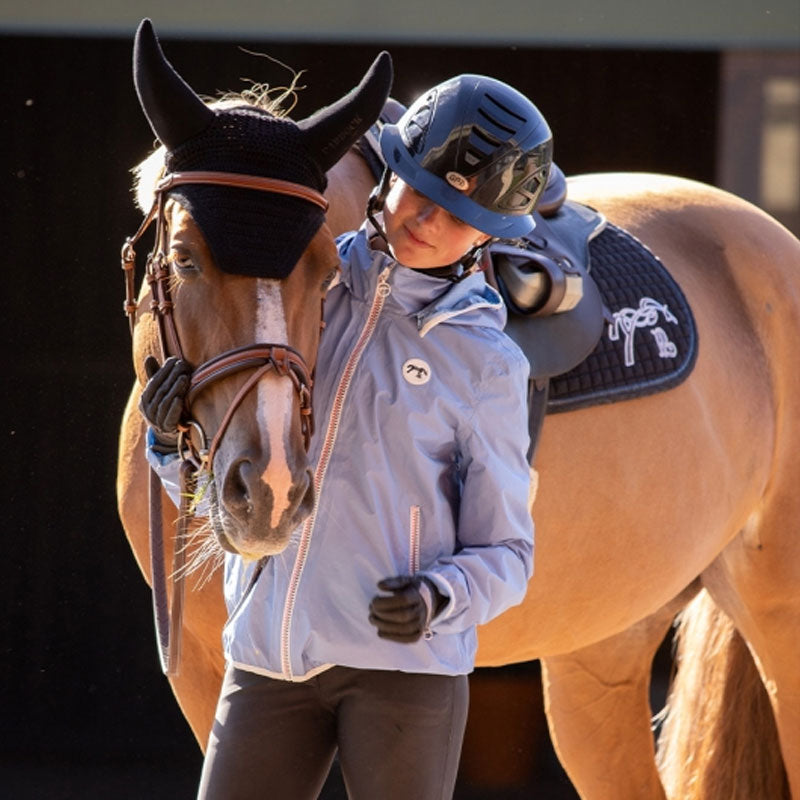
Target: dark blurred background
86,712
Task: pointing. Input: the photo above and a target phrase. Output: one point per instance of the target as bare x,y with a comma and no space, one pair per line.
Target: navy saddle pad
649,343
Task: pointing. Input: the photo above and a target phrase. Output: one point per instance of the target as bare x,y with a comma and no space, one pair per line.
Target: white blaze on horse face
275,398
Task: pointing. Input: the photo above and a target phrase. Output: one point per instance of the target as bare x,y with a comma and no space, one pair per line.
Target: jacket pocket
414,535
413,540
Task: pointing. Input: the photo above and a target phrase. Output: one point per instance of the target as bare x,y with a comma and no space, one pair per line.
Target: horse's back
643,495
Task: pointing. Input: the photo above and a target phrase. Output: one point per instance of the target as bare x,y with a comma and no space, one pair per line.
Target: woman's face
422,234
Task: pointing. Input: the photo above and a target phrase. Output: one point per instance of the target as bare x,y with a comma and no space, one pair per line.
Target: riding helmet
478,148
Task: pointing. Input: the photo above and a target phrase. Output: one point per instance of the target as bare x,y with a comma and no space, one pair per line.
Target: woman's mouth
415,239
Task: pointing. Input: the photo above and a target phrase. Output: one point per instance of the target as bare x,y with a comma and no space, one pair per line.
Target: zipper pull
384,289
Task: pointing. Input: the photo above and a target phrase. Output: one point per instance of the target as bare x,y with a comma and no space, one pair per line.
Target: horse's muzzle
253,519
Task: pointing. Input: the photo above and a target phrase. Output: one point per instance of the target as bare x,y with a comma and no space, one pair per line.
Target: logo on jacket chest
416,371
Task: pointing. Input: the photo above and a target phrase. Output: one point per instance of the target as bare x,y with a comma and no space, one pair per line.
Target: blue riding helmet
478,148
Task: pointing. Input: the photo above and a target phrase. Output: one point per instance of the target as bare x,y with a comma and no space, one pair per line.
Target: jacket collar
431,300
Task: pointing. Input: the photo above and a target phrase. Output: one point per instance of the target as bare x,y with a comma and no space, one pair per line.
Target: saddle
555,310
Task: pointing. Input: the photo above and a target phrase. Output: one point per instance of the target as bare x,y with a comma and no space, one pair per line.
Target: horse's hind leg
756,581
598,710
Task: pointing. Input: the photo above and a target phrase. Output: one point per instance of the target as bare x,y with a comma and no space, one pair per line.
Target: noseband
261,357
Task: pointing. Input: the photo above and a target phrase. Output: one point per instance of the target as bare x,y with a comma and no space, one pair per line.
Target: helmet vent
498,119
510,114
496,123
481,144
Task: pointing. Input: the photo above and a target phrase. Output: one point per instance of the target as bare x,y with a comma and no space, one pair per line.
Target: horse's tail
718,738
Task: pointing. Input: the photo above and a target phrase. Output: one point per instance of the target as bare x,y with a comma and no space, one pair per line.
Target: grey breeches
398,735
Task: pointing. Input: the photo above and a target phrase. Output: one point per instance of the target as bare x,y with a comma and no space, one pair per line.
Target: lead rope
168,614
187,485
158,576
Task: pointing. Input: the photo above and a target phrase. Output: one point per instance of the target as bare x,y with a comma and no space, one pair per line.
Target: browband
241,181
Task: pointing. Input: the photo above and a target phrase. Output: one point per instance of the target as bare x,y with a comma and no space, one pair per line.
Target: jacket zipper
382,291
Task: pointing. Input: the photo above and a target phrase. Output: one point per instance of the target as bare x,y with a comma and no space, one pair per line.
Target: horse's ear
174,111
330,132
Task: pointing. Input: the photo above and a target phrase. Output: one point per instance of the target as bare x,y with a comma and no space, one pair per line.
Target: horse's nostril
249,502
237,493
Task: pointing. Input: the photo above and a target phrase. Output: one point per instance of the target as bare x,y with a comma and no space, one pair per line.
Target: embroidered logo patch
416,371
627,320
457,181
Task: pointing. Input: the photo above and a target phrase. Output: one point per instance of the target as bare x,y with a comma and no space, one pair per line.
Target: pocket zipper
413,561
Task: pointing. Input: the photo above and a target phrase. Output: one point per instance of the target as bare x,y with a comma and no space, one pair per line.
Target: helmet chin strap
471,258
376,200
456,271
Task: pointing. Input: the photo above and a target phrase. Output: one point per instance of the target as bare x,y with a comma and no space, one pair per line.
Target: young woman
359,637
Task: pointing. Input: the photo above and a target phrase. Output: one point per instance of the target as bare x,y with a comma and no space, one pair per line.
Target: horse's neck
349,184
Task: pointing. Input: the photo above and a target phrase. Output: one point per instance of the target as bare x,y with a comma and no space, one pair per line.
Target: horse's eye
328,279
182,260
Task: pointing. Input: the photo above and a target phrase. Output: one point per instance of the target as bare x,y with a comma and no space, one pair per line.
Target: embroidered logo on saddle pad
627,320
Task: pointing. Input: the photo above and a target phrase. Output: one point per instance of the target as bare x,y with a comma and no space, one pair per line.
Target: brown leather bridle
260,357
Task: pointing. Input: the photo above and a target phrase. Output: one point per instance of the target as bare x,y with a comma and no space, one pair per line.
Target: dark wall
86,712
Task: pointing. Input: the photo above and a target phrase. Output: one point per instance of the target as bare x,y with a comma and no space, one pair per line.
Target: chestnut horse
642,505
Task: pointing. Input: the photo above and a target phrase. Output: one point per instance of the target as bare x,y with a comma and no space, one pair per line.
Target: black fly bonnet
250,232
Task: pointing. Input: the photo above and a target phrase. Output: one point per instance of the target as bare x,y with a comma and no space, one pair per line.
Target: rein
261,358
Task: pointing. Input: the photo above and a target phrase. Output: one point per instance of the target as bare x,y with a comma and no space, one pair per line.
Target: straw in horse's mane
277,100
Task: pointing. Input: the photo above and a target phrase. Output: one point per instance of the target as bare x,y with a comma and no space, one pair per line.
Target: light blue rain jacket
420,447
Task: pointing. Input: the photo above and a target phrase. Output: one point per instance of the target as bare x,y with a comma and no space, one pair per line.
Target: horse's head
241,263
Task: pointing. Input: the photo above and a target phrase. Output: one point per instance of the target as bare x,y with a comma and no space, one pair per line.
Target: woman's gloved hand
162,399
405,613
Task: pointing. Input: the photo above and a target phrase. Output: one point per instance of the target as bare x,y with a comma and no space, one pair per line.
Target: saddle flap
556,343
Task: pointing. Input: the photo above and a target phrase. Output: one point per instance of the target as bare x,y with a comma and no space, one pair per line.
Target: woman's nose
426,212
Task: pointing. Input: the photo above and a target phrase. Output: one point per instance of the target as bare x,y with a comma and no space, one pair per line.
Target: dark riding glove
406,612
162,399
